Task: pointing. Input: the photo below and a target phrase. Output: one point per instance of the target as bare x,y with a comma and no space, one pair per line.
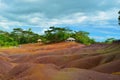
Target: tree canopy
55,34
110,40
17,36
52,35
24,36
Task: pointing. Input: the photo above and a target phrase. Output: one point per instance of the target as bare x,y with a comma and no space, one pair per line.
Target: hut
70,39
39,40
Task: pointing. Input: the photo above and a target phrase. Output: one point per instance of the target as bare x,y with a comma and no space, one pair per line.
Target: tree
6,40
119,17
56,34
24,36
82,37
110,40
17,33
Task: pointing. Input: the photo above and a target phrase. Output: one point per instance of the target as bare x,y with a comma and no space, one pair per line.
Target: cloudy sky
99,17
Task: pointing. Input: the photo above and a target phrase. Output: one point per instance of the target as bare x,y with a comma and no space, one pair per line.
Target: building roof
39,40
70,38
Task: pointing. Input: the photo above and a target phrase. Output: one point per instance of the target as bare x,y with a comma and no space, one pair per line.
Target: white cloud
54,12
100,19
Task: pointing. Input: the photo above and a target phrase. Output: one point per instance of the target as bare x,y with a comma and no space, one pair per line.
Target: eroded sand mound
111,67
5,67
51,72
30,71
85,63
60,61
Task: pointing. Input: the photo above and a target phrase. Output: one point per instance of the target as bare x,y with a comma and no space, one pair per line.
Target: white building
70,39
39,40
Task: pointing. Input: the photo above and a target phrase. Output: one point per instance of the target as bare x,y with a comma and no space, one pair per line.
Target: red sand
60,61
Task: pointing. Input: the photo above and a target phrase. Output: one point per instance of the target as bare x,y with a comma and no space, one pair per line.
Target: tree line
52,35
17,36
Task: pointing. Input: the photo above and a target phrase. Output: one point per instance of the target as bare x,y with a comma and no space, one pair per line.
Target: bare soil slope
61,61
